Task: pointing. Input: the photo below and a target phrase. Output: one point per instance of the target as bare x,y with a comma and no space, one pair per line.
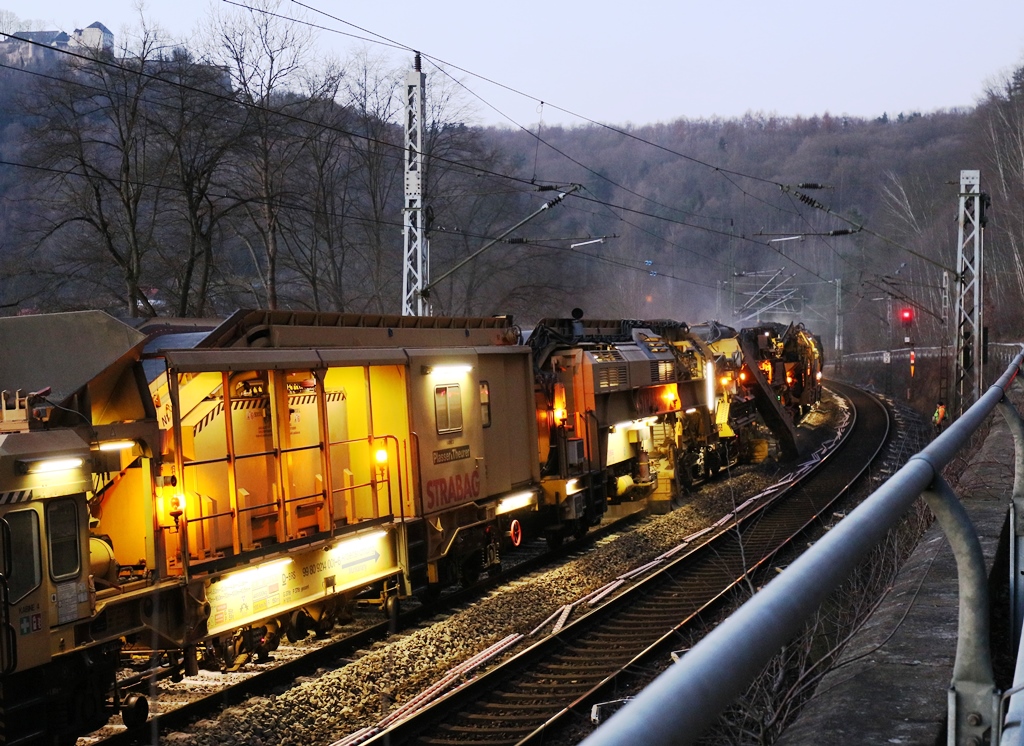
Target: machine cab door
24,638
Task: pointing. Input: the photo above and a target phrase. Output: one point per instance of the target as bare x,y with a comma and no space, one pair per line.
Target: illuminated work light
709,385
359,542
116,445
242,578
49,465
445,370
515,502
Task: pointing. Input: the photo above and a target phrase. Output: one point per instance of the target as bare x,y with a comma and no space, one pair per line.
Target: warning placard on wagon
277,586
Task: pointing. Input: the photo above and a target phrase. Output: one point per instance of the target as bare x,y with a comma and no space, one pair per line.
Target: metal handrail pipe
687,698
211,516
319,495
259,506
297,449
255,454
205,461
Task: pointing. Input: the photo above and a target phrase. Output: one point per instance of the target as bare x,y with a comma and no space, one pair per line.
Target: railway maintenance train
186,495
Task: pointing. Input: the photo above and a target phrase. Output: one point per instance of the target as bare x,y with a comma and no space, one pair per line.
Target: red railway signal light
907,316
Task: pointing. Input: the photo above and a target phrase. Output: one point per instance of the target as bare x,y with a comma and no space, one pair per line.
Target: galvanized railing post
973,698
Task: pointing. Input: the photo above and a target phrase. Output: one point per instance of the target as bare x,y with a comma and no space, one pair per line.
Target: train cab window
448,408
485,403
62,536
26,567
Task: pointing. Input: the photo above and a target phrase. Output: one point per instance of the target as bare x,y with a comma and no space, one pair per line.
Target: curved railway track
561,676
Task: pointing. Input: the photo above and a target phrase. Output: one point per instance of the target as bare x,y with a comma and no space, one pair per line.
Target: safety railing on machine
685,701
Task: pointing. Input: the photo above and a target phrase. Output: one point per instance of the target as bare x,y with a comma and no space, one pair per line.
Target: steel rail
611,684
560,674
685,701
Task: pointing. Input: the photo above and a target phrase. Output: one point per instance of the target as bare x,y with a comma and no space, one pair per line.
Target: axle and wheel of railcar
515,533
134,711
260,641
470,568
246,643
575,528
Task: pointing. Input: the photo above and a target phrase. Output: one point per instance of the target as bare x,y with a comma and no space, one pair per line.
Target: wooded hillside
244,173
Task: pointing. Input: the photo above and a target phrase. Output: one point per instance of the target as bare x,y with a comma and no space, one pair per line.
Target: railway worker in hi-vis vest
939,418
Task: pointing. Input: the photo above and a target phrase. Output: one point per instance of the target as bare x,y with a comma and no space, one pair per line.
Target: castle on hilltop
34,47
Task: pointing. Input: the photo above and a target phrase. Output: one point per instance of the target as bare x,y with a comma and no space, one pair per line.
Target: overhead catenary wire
559,151
662,239
585,255
536,150
547,205
810,201
725,172
717,169
135,183
715,231
398,148
582,117
302,120
442,64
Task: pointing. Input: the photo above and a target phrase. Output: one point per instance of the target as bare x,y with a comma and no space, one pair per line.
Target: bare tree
1002,116
898,203
373,93
9,22
348,250
201,130
317,239
103,172
910,205
266,58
